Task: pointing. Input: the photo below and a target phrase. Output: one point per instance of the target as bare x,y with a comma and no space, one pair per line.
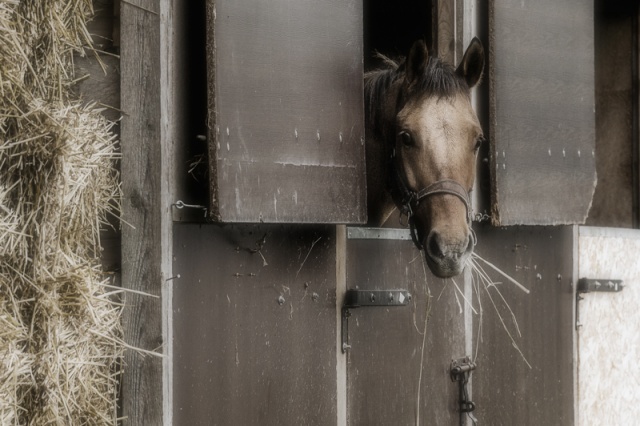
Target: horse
422,139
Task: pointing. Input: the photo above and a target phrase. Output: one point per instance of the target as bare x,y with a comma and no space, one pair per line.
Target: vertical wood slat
445,29
146,231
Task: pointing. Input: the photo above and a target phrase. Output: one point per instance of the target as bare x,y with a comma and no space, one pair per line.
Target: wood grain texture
286,122
612,201
255,332
142,241
387,375
506,390
542,111
446,30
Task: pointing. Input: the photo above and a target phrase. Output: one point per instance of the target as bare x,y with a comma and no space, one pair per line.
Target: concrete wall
609,338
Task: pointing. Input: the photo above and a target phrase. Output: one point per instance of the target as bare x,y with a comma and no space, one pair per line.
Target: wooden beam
444,29
146,204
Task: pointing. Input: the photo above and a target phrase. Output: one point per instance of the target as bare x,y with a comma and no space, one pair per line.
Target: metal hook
181,204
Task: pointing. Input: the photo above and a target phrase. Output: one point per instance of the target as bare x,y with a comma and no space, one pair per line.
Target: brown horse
422,140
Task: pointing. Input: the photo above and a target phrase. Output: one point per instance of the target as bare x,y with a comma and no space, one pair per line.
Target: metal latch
589,285
369,298
461,372
586,285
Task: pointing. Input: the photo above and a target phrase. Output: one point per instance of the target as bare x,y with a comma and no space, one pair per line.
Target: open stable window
285,113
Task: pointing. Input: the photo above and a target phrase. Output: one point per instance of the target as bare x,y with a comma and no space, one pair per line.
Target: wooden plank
613,200
542,111
255,332
286,122
397,374
507,389
144,205
445,30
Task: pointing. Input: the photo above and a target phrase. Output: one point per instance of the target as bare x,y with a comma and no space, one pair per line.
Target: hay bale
60,333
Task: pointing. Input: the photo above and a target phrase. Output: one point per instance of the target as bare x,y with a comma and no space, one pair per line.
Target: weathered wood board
542,132
286,123
532,384
386,363
392,378
144,188
254,325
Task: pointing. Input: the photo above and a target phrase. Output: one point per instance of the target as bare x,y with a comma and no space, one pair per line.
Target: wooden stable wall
158,142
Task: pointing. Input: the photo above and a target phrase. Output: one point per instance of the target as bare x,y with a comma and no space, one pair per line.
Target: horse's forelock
439,79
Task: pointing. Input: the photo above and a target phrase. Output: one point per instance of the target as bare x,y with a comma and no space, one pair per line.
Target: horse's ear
416,61
472,63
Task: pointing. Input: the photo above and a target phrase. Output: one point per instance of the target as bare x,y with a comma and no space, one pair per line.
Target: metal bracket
586,285
369,298
460,372
363,233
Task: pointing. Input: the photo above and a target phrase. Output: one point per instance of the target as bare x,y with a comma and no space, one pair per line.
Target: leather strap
446,186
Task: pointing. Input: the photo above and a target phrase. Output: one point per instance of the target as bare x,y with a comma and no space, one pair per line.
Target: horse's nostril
433,245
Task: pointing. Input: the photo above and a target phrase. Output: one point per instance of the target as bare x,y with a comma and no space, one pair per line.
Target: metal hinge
460,372
369,298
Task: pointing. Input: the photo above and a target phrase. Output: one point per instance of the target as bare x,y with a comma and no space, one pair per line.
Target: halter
408,200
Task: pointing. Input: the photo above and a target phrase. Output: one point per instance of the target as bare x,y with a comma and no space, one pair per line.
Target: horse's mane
439,79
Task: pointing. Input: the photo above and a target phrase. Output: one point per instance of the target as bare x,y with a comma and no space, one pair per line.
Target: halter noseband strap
446,186
408,200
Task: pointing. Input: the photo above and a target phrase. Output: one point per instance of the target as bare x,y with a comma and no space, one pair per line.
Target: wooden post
444,29
147,135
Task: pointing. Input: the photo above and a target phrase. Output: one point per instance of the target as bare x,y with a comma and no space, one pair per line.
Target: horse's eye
478,143
405,138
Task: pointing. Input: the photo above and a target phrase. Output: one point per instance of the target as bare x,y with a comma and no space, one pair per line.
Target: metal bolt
409,297
390,297
539,276
372,298
559,277
315,297
280,300
345,347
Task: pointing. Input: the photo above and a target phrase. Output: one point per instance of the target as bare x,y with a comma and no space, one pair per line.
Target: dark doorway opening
391,27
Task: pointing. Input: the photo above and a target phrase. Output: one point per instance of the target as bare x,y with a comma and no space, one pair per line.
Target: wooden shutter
542,105
286,124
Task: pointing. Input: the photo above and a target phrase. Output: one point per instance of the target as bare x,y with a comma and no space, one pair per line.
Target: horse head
430,137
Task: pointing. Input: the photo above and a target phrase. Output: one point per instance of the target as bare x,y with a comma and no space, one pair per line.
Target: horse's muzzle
446,256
